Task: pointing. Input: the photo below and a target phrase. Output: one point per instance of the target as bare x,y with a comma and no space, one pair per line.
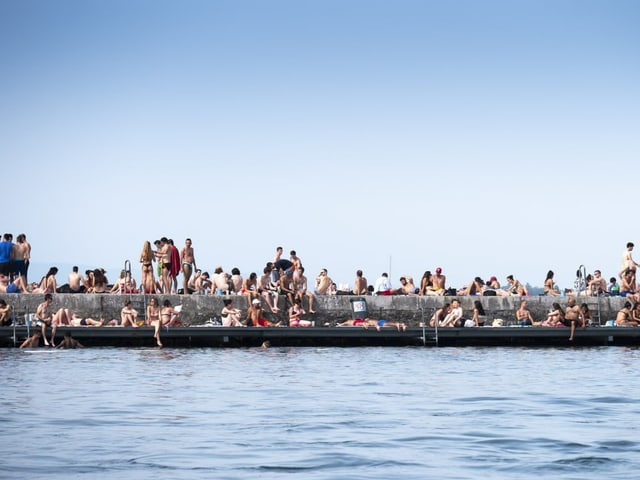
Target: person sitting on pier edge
74,284
479,316
628,286
128,316
6,313
439,282
268,289
523,315
230,315
586,314
426,284
476,287
623,317
286,285
515,288
551,288
295,314
255,318
236,280
408,287
383,285
598,285
573,316
169,316
439,315
454,317
554,317
493,283
202,283
360,284
250,287
323,282
300,283
613,288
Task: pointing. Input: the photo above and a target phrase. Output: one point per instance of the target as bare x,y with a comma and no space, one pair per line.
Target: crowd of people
162,264
285,277
46,318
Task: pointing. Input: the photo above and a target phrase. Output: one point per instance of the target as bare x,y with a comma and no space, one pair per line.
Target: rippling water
320,413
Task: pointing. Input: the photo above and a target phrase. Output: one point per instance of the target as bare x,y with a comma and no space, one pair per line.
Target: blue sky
488,138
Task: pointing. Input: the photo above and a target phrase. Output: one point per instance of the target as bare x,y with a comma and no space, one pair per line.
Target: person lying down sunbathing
368,322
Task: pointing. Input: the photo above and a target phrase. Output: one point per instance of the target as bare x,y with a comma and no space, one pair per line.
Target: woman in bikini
623,318
479,316
147,257
295,312
169,316
48,284
153,318
99,281
555,317
153,312
125,284
549,287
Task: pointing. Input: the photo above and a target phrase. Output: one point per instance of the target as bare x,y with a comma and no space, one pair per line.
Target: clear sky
486,137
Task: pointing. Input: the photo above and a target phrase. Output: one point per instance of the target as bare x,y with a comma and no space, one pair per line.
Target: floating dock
222,337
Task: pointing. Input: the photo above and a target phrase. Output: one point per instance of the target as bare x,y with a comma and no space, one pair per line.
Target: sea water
320,413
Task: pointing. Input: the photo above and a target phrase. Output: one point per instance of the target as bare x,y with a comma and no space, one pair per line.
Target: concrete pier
413,310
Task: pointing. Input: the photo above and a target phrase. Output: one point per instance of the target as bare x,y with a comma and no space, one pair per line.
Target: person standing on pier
163,255
628,263
188,262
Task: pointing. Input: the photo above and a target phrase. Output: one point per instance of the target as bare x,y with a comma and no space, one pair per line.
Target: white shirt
382,284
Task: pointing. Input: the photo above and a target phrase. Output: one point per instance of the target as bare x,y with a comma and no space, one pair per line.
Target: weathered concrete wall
198,309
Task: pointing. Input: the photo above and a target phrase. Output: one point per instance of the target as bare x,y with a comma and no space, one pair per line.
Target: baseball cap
438,270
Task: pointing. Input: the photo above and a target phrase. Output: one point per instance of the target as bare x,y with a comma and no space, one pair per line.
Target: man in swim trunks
6,255
572,315
439,282
188,262
300,282
22,255
255,316
379,324
323,282
44,316
7,286
523,315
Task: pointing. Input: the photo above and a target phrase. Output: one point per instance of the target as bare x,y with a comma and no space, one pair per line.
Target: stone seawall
199,309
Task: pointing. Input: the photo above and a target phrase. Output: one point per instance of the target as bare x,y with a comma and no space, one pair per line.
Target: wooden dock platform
221,337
